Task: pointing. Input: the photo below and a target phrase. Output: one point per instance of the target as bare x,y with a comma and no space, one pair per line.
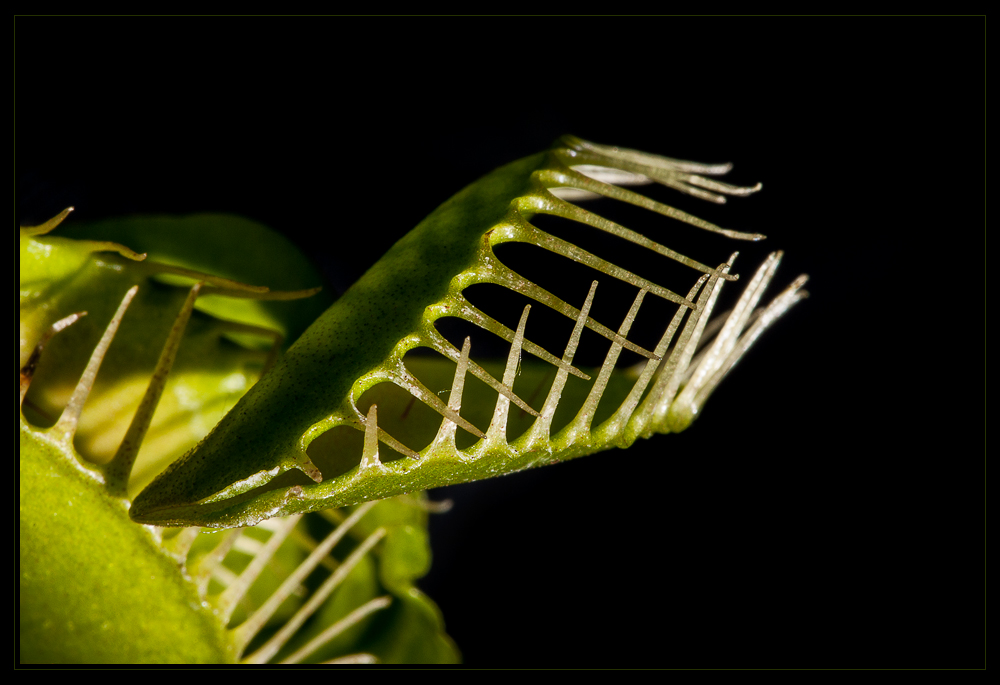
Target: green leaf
227,246
94,587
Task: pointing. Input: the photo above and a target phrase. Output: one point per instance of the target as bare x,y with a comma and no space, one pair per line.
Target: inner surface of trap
478,399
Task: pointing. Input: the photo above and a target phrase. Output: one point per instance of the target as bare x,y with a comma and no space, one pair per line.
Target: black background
827,508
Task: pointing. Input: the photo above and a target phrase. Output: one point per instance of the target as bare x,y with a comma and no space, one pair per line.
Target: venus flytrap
344,418
236,476
96,587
